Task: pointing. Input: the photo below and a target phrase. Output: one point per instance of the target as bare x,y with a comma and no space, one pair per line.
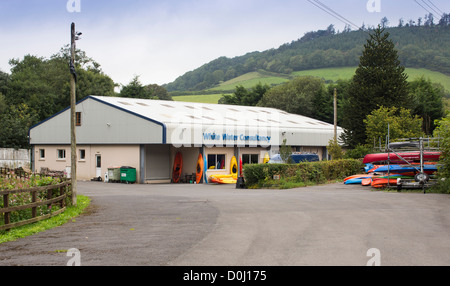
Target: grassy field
329,74
205,98
251,79
334,74
436,77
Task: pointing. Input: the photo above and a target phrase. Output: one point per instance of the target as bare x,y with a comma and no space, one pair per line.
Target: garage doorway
157,162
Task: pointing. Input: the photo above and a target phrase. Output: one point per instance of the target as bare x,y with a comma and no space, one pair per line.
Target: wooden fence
61,191
18,173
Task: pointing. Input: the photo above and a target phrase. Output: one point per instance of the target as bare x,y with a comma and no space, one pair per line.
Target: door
157,160
98,166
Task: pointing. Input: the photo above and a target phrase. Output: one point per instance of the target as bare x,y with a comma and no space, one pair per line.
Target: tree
158,92
295,96
443,133
44,84
379,80
38,88
445,20
14,125
3,104
384,22
428,102
429,20
335,150
286,152
135,89
323,102
400,123
4,81
245,97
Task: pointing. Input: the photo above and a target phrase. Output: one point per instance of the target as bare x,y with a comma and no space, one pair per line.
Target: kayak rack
421,179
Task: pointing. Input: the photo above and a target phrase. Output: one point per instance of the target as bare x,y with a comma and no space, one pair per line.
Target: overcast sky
160,40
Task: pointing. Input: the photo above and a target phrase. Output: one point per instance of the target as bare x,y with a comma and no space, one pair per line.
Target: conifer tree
380,80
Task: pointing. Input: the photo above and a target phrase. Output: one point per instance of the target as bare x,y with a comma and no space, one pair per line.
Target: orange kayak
383,182
366,182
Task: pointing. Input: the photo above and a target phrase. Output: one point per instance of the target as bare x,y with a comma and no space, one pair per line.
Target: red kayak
410,156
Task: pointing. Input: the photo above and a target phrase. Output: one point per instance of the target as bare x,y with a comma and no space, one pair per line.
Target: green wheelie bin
128,175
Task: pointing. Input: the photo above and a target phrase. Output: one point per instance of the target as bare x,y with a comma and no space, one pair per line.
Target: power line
436,7
432,8
328,8
423,7
331,12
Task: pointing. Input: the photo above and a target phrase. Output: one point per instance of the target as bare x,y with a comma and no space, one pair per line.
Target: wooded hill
418,47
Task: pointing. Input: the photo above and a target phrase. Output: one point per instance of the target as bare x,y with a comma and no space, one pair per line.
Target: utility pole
73,140
335,115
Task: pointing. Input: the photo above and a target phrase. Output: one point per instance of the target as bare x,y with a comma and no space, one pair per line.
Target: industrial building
147,134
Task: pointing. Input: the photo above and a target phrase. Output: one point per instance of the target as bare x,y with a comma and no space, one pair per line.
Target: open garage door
157,162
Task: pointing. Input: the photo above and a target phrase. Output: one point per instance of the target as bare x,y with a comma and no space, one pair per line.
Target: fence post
61,193
49,197
6,205
33,200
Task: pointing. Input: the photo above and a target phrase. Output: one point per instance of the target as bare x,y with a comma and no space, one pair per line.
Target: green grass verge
69,215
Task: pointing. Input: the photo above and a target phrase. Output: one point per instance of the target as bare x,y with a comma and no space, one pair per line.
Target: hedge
261,175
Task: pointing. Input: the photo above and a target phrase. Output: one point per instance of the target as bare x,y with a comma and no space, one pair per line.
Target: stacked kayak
378,174
409,156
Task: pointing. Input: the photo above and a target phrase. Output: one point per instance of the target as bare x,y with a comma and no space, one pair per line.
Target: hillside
418,47
249,80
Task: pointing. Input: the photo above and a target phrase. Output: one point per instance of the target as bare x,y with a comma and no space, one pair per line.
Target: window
78,119
216,162
250,159
61,154
42,154
82,155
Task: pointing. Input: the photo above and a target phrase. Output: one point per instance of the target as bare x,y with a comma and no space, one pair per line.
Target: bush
443,132
443,186
359,152
305,173
19,199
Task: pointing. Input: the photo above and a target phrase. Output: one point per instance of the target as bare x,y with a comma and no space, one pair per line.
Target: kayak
199,169
359,176
383,182
409,156
354,181
222,179
226,179
405,168
177,167
367,180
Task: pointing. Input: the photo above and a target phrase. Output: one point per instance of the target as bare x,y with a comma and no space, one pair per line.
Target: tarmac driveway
193,225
